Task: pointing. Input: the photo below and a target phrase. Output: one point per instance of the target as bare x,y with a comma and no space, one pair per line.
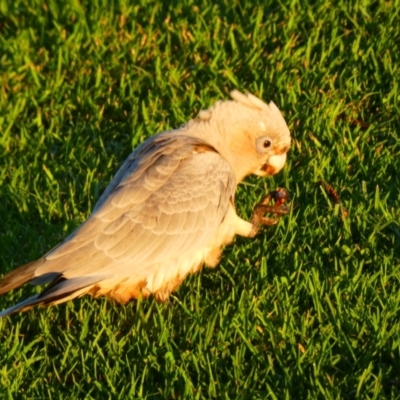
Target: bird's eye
263,144
267,143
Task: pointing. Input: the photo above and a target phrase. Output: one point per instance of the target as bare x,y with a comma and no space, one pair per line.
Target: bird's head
250,134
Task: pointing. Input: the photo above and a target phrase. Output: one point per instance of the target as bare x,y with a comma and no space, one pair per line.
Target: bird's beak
274,164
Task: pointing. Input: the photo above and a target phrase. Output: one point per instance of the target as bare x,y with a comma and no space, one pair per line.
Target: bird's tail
59,290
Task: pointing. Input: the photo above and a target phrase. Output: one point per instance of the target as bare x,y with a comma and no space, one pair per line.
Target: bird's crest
247,100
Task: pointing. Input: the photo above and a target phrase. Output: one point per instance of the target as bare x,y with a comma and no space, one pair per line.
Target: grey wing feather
166,200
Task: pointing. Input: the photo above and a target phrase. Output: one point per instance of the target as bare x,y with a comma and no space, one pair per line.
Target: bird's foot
280,196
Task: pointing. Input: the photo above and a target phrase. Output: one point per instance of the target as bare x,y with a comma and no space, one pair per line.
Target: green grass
310,308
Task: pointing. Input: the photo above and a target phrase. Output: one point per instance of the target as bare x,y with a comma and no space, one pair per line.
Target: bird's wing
166,202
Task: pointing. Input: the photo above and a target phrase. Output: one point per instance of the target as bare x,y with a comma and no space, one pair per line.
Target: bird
169,210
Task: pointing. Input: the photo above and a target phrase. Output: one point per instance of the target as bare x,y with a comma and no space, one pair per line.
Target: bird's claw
280,196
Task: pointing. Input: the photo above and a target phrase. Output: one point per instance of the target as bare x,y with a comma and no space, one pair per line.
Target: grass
310,308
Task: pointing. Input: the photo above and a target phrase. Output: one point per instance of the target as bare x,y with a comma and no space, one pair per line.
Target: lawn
309,308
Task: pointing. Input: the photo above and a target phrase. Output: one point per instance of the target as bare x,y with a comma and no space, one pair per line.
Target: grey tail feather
61,290
46,278
20,306
19,276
